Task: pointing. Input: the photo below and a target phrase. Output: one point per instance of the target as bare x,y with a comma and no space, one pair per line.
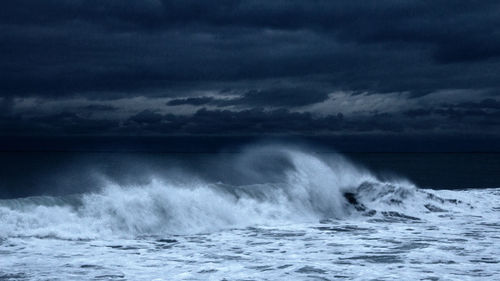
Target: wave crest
294,186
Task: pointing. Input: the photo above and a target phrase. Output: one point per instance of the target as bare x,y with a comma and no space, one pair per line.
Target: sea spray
301,187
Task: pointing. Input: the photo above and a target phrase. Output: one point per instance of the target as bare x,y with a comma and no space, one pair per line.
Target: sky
238,68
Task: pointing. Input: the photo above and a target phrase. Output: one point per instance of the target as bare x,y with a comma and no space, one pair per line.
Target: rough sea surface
314,219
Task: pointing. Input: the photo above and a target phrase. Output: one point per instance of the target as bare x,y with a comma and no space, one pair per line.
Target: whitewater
292,215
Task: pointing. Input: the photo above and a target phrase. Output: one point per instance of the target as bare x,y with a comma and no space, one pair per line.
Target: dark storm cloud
280,121
418,112
257,121
276,97
71,47
484,104
280,97
71,123
269,54
460,115
146,117
6,105
98,107
65,123
203,122
225,122
191,101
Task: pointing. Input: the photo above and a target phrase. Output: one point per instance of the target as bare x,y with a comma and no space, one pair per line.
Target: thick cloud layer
249,67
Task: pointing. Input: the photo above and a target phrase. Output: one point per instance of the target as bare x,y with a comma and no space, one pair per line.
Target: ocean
266,212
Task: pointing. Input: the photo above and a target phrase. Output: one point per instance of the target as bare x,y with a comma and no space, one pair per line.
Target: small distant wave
306,188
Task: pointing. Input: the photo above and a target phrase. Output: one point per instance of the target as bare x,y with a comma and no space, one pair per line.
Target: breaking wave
293,186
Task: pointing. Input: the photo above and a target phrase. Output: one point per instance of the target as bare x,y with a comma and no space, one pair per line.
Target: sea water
278,213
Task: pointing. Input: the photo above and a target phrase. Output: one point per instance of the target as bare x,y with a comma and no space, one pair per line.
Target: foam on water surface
307,217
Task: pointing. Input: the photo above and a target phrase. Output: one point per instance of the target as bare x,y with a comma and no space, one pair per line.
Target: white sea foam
297,216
